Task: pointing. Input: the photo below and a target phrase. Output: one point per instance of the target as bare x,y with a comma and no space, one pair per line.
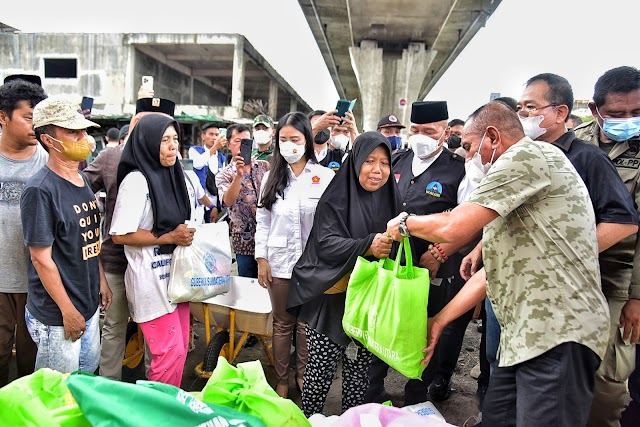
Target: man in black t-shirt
61,226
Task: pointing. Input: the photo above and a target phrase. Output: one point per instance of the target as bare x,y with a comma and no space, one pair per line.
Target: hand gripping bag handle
405,246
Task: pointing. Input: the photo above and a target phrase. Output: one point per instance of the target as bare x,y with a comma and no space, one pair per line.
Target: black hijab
167,188
346,221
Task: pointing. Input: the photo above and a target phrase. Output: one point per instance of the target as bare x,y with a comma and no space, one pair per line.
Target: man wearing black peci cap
102,174
391,127
431,179
31,78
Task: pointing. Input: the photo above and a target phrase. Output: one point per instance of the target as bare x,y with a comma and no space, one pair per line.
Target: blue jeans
493,334
247,266
63,355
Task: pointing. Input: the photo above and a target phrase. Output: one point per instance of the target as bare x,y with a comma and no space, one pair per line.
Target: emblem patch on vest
434,189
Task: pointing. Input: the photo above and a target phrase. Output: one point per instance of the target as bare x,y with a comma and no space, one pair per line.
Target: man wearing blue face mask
391,127
616,108
431,179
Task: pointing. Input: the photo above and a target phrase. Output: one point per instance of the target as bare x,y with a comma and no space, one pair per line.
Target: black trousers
485,367
553,389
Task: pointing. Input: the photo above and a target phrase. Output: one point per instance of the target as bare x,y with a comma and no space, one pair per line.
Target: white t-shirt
147,276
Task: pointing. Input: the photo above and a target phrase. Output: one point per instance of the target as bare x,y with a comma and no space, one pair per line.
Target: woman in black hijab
148,219
350,217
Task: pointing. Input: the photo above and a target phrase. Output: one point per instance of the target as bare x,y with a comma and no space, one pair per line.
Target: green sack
106,402
40,399
246,389
386,310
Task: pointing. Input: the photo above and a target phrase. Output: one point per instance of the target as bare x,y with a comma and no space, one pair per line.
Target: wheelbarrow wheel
133,353
213,350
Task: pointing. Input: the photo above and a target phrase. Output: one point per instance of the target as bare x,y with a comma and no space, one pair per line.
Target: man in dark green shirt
263,136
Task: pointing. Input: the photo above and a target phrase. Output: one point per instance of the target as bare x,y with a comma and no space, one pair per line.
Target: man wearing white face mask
341,136
616,108
431,179
263,136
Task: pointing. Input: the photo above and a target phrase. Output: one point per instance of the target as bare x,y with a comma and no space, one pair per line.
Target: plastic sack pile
232,397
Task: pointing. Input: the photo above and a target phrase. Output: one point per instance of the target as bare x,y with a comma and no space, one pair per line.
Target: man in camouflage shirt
541,262
616,107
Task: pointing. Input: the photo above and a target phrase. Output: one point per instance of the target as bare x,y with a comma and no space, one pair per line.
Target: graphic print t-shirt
14,256
57,213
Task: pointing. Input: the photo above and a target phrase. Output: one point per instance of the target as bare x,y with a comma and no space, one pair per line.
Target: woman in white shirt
152,205
289,196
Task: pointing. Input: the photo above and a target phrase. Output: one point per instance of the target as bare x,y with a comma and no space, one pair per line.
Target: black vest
333,160
433,191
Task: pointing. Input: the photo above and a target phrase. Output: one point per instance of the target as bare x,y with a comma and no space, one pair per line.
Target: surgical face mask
620,130
395,141
261,137
475,169
454,141
531,126
340,141
291,151
76,151
424,146
321,137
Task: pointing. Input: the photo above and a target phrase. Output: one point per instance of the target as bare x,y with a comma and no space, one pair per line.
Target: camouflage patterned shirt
540,254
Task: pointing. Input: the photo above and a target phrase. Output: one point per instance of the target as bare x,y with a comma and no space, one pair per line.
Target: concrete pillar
237,80
386,79
366,61
293,106
273,99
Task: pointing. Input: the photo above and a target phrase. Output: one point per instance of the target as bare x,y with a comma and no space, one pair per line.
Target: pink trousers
168,339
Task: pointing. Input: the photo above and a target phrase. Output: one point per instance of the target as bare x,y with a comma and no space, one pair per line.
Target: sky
577,39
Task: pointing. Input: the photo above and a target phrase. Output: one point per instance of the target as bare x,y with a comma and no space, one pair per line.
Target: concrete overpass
390,53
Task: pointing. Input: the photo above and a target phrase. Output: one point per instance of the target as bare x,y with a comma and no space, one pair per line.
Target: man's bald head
498,115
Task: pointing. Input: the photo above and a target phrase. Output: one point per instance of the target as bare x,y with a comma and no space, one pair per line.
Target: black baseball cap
390,121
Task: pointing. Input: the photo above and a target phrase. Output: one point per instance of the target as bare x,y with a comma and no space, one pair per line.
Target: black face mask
454,141
321,137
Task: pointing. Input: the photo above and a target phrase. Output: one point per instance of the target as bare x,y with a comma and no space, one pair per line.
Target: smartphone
246,145
86,105
343,106
147,83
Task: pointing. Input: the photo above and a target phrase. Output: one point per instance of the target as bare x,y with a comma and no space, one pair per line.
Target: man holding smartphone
238,186
341,131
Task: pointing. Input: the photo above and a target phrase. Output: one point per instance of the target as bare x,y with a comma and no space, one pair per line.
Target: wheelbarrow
244,310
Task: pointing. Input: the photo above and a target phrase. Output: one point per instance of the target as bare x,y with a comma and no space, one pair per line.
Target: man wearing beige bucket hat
61,227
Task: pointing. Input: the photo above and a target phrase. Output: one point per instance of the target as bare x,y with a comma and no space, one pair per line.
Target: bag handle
405,247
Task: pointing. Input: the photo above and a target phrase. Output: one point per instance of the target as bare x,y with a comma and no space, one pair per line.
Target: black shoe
440,388
251,341
415,391
375,395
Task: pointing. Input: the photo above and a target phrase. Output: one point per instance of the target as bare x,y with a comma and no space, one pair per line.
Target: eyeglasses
532,110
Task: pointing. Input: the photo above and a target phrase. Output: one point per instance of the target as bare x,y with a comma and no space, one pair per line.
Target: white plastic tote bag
202,270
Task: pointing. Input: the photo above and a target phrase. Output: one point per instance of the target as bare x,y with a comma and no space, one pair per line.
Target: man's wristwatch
402,227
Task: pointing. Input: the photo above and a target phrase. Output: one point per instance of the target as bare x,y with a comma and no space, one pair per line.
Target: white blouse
282,232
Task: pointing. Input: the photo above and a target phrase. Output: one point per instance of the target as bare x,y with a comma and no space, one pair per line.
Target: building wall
101,60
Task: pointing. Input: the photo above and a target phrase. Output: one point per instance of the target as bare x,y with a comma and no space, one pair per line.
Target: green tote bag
386,310
109,403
